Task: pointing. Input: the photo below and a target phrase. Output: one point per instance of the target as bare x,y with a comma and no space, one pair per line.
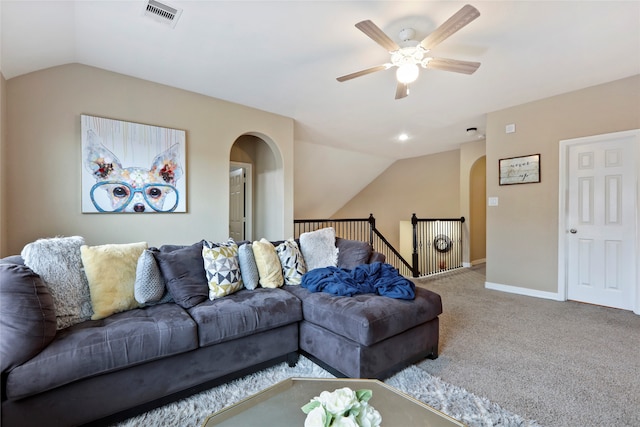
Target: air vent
162,12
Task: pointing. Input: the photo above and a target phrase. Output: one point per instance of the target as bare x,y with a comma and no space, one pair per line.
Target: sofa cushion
222,268
352,253
244,313
183,271
319,248
57,260
367,318
100,346
28,320
377,257
292,261
12,259
111,271
248,266
268,264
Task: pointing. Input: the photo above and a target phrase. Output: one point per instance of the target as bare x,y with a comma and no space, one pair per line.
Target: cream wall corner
469,153
3,168
428,186
522,231
326,178
43,157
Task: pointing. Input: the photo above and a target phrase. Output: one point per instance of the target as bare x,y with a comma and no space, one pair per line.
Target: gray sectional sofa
98,371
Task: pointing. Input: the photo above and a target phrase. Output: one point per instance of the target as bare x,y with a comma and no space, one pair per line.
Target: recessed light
403,137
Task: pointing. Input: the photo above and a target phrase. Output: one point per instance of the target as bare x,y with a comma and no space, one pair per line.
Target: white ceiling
284,57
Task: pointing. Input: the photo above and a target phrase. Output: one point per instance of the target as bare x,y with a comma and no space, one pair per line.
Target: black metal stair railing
436,243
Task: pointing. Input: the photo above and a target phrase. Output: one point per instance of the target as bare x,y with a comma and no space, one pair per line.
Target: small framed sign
520,170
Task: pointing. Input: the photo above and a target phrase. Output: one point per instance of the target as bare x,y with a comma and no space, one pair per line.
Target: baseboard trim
523,291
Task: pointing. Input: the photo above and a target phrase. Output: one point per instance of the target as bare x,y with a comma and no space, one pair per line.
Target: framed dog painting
131,167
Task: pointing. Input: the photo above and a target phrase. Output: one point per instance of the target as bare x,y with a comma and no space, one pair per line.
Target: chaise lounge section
368,336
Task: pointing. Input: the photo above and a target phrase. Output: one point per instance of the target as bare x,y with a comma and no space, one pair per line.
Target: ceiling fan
410,54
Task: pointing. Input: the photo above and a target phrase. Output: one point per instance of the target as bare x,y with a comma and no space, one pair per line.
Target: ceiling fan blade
402,90
377,35
461,18
465,67
361,73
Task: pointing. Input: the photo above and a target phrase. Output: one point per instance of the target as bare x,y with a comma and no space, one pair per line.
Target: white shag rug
452,400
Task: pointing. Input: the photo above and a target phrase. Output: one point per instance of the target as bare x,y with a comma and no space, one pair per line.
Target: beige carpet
473,411
560,363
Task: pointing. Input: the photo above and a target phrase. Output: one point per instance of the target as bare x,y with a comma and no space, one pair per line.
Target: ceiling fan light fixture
407,73
410,54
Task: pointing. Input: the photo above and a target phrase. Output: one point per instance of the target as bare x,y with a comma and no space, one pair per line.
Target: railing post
460,249
372,226
414,254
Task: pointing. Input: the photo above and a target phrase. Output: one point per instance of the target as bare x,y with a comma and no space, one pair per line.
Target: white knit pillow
319,248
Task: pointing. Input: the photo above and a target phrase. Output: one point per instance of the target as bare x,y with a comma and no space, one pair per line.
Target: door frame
248,196
563,183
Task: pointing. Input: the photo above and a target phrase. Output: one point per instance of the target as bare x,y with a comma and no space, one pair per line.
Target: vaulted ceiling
284,57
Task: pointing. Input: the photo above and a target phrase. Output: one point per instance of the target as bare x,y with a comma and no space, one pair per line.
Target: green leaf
364,395
310,406
329,419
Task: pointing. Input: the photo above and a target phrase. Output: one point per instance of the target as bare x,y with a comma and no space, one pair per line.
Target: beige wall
469,153
478,211
326,178
3,169
43,158
428,186
522,231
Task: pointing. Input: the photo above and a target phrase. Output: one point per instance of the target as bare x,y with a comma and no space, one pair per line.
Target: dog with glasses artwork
132,189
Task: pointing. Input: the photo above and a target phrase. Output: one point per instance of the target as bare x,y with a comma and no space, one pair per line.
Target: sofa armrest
376,257
352,253
27,315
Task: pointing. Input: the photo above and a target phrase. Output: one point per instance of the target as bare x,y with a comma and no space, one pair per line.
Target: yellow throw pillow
111,272
268,264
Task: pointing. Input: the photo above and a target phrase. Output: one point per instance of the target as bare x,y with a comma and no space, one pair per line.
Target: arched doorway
478,211
255,160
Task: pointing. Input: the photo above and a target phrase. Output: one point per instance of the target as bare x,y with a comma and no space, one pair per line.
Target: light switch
510,128
493,201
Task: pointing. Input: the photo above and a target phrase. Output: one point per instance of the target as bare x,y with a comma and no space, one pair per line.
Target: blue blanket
377,278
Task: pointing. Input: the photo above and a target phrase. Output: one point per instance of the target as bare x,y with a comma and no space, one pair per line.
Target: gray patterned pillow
149,287
58,262
293,265
248,266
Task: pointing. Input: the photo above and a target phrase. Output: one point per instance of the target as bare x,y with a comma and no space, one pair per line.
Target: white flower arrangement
341,408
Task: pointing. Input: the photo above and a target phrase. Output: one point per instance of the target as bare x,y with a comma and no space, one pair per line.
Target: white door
601,220
236,205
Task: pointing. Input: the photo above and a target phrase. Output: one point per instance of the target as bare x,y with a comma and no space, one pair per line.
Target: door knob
573,231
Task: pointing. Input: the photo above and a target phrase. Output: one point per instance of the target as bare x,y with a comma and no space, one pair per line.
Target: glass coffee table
279,405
